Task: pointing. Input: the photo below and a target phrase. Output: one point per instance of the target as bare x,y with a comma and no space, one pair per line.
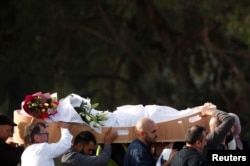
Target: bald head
143,124
146,130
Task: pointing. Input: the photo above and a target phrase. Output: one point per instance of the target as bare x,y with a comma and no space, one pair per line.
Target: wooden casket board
169,131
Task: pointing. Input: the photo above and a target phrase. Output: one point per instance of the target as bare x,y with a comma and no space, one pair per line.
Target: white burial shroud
123,116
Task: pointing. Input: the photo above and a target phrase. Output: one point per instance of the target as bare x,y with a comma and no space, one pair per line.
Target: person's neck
2,140
194,147
144,142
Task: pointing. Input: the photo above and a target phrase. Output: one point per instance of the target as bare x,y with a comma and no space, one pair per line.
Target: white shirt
42,154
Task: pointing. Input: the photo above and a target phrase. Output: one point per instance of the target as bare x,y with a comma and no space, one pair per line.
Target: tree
176,53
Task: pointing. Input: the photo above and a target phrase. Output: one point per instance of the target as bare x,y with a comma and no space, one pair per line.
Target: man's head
196,137
35,133
85,143
6,127
147,131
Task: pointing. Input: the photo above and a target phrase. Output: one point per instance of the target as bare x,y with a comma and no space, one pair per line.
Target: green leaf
95,105
88,118
93,117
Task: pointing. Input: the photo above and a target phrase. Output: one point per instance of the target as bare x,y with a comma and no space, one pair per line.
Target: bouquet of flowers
40,105
72,108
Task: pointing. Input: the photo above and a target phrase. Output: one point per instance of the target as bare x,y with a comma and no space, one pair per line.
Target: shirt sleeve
223,129
101,160
54,150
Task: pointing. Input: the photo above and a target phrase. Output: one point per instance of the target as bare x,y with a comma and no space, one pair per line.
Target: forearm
223,129
224,117
60,147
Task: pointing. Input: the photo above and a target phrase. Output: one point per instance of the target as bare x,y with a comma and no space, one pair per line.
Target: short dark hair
194,133
31,130
85,137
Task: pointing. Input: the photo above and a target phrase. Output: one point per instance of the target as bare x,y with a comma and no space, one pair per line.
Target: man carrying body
220,126
82,152
139,151
192,153
38,151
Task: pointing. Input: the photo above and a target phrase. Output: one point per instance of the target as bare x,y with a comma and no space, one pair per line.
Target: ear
198,143
142,133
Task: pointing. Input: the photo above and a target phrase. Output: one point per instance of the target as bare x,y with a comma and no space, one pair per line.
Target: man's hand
207,109
10,142
110,136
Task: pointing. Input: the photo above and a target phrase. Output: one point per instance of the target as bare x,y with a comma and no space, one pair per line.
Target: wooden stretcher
169,131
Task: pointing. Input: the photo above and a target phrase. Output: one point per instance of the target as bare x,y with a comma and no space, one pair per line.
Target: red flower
40,105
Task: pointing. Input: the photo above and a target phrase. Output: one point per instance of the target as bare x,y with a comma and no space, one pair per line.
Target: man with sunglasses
38,151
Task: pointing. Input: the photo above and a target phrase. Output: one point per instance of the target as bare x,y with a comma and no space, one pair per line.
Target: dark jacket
189,157
138,154
73,158
215,139
9,155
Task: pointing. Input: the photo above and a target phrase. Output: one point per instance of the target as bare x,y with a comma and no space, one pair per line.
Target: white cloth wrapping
128,115
123,116
66,111
165,154
164,113
232,144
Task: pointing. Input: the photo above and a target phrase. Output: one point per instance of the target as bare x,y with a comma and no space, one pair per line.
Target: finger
108,131
115,134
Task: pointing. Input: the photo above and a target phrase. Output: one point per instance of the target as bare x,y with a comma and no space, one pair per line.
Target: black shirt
9,155
189,157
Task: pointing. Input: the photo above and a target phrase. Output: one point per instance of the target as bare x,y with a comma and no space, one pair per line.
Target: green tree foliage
173,52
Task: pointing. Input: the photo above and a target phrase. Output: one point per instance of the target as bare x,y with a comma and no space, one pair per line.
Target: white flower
94,124
87,103
94,119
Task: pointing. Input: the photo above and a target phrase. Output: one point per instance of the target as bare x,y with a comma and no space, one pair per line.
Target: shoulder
135,143
189,157
187,153
69,155
138,146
